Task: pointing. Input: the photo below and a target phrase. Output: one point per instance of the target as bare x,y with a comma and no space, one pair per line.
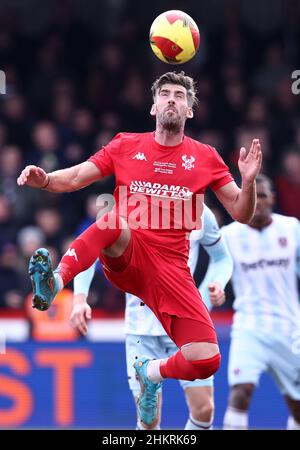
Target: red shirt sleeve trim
222,182
95,161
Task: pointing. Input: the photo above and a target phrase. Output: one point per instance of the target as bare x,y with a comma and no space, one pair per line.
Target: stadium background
76,73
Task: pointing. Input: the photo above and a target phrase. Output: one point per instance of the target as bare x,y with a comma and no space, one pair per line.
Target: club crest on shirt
188,162
282,241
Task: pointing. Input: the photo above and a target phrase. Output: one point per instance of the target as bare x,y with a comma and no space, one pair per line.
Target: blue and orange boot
148,399
44,285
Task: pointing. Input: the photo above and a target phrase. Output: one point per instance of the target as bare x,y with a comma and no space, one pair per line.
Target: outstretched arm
241,203
65,180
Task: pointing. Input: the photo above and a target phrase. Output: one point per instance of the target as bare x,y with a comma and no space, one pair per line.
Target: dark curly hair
176,78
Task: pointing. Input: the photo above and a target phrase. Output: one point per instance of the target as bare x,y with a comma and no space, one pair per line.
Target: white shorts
252,353
154,347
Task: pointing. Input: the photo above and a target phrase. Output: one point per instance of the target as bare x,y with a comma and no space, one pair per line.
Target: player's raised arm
240,203
65,180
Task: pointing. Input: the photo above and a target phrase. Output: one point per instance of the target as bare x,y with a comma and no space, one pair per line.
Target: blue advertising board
84,385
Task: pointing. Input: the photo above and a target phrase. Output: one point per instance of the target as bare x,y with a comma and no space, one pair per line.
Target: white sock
59,281
139,426
235,419
153,372
292,424
193,424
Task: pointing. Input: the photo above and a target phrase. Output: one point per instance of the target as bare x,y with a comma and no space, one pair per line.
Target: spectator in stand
28,239
62,113
17,120
3,134
273,71
10,163
23,202
83,126
7,226
49,221
132,101
10,283
46,152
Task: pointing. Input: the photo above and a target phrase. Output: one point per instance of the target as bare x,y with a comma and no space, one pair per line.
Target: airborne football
174,37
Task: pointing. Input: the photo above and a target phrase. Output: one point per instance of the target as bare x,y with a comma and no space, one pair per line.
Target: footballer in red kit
161,178
176,174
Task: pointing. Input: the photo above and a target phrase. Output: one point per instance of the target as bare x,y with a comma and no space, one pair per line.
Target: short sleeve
220,171
104,159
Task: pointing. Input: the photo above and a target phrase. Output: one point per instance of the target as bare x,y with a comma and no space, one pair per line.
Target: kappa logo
188,162
140,156
71,252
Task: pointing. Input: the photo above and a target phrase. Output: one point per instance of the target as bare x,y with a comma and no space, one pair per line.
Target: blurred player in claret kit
265,333
145,334
161,172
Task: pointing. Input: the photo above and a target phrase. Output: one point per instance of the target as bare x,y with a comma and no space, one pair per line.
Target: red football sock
84,251
176,366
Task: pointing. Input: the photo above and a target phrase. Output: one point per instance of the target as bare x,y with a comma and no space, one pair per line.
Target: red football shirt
160,189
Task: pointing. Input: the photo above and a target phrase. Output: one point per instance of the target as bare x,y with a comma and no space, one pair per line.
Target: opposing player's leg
110,234
293,422
236,415
285,370
248,359
200,402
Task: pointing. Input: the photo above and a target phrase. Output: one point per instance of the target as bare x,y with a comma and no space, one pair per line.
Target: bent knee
199,350
240,396
203,412
205,368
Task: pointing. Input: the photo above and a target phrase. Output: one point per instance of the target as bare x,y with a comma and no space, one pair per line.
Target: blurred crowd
69,90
